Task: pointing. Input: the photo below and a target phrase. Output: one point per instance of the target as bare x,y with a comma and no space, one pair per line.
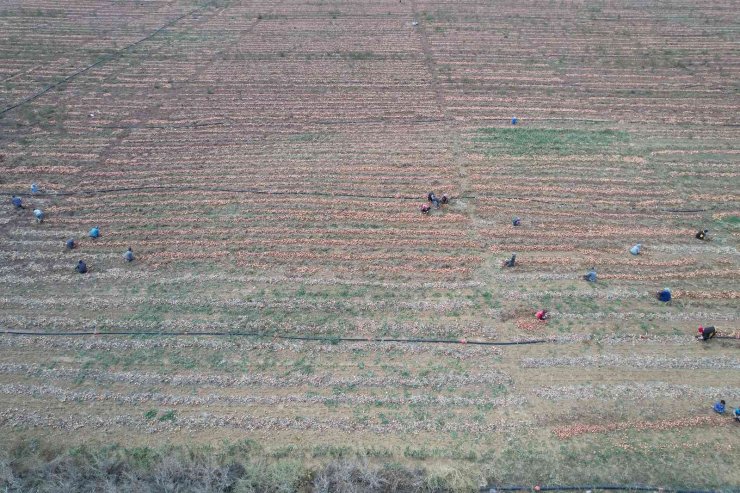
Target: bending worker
433,199
707,333
510,262
664,295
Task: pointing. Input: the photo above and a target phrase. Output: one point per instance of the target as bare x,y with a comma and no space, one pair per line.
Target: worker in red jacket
542,315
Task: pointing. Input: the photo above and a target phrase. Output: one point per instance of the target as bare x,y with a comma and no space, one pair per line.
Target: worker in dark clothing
664,295
17,202
445,199
70,244
129,255
590,275
433,199
511,262
516,221
425,209
702,235
707,333
81,267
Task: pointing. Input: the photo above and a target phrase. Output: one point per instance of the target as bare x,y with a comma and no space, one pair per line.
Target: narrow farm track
266,162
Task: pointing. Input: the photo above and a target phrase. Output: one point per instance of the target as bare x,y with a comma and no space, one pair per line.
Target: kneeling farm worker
719,407
129,255
664,295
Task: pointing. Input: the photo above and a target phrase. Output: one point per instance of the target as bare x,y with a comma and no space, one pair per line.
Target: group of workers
720,407
18,204
664,295
435,201
70,244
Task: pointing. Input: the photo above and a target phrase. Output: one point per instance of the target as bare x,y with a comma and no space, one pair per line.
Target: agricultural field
266,160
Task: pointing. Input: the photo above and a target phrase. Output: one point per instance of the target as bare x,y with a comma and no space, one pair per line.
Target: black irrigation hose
102,60
590,487
289,337
273,336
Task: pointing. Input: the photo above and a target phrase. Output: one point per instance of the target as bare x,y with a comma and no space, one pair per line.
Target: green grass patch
526,141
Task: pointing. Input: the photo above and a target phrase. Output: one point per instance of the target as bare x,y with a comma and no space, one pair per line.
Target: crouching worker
81,267
70,244
129,255
17,202
542,315
702,235
707,333
94,232
445,199
736,414
39,215
433,199
510,262
719,407
591,275
664,295
516,221
635,250
425,209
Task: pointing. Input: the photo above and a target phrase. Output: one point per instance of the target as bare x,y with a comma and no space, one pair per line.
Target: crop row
490,377
25,418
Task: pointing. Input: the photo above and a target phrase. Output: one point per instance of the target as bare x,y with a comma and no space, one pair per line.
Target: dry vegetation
264,160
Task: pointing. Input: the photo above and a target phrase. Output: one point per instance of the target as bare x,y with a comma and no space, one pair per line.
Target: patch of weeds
282,452
528,141
335,451
416,453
